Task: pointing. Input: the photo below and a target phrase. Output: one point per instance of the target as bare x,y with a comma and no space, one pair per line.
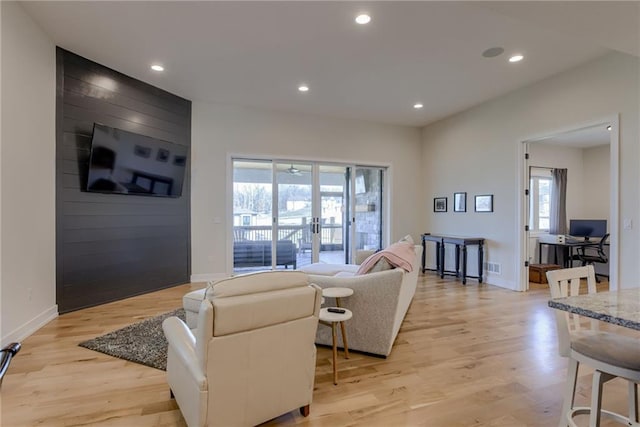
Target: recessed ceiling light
492,52
157,67
609,127
516,58
303,88
363,19
418,106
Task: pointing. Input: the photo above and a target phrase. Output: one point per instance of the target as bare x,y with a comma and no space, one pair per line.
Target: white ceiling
257,53
593,136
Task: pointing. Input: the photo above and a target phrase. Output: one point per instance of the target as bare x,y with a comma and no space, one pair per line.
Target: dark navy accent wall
112,246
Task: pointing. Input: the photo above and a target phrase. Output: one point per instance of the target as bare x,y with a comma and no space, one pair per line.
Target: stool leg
569,391
633,402
599,378
335,353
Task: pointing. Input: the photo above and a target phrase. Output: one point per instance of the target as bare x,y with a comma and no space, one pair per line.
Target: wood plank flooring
473,355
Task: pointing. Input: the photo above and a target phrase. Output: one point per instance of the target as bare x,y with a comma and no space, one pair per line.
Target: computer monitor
587,228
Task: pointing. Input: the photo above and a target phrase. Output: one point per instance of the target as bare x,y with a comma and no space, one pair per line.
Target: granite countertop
618,307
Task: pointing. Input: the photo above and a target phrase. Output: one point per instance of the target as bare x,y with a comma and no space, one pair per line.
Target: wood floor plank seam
474,355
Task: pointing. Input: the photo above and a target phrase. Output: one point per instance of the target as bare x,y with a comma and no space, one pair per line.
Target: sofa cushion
321,269
344,274
193,299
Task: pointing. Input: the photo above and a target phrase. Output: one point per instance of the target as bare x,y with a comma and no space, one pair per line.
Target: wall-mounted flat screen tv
124,162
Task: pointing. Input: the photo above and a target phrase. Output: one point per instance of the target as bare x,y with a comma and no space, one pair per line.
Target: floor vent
492,267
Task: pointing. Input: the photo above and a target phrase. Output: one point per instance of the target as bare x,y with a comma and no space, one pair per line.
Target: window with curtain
540,199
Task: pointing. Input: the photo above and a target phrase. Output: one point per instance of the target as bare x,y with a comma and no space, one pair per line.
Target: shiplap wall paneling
112,246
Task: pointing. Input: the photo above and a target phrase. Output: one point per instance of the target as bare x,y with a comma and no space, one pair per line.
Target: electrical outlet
627,224
29,293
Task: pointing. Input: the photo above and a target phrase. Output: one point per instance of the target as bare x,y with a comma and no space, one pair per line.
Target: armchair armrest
183,344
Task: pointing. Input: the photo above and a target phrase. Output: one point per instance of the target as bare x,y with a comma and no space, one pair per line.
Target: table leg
442,260
344,334
438,257
480,262
335,353
539,251
457,260
424,256
464,264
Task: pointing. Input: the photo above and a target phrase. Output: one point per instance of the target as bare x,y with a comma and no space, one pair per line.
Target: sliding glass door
294,213
290,214
333,199
368,204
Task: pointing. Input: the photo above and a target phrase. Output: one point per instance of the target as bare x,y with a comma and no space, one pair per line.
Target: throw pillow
407,239
382,265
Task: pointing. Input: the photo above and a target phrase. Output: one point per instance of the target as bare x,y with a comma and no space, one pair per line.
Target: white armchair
253,355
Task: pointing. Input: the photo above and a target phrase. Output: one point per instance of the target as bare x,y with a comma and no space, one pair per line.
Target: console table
461,243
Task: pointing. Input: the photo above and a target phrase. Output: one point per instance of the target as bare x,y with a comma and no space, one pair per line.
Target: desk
461,243
618,307
567,247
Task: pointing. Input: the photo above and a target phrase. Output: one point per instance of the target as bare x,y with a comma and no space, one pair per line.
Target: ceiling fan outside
293,170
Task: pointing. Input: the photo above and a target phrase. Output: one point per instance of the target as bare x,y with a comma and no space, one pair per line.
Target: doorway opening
589,156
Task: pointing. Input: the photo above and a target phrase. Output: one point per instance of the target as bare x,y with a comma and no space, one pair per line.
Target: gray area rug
142,342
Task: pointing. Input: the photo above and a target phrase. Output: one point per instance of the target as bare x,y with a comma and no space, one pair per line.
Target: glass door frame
349,205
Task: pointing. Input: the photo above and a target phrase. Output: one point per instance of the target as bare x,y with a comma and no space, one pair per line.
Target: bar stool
610,354
331,316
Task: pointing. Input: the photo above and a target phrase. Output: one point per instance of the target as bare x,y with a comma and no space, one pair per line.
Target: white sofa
379,302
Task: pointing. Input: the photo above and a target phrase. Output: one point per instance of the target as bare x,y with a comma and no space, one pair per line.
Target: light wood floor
465,356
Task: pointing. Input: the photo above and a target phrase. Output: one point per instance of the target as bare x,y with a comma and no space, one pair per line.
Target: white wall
596,182
478,151
27,175
220,131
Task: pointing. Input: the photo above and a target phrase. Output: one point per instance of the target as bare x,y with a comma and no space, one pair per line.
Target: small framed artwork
439,204
484,203
142,151
163,155
179,160
459,202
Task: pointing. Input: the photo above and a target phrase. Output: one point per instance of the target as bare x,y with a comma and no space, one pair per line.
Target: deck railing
330,234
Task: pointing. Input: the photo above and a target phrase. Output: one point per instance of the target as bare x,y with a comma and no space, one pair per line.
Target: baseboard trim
501,283
31,326
205,277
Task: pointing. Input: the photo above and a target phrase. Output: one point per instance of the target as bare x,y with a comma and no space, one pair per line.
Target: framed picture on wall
440,204
484,203
459,202
163,155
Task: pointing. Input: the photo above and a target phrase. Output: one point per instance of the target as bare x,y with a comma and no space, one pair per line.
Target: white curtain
558,203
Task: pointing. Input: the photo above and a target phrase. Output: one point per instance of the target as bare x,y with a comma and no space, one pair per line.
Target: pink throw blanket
399,254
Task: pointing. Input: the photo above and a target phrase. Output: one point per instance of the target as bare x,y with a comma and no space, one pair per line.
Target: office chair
593,254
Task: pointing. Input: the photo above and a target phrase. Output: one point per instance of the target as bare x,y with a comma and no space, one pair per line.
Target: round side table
330,318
